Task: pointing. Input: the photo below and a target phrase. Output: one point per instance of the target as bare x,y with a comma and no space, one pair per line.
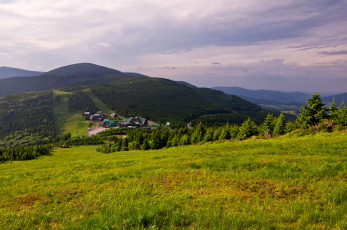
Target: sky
288,45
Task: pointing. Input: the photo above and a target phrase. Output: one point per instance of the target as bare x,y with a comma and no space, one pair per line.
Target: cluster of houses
136,122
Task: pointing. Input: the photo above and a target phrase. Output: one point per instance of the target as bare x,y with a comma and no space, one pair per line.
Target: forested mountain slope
157,99
67,76
6,72
27,118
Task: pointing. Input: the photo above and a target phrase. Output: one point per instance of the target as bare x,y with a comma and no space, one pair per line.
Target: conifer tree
209,135
333,112
269,125
225,133
280,127
248,129
184,140
314,113
342,114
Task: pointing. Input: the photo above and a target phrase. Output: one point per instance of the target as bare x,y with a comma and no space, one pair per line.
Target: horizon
283,46
322,93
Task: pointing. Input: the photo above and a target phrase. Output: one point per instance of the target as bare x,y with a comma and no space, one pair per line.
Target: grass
282,183
67,122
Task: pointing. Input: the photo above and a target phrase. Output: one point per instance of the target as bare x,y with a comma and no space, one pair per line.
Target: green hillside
282,183
27,118
63,77
87,87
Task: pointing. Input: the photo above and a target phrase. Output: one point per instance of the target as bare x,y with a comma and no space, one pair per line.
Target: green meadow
290,182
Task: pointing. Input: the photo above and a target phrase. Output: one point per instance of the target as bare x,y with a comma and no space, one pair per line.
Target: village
101,122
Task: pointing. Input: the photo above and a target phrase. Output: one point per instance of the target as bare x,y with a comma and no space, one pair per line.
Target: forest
26,118
80,101
313,118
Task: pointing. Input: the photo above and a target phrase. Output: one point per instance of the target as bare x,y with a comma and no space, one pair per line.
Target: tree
269,125
225,133
314,113
342,115
280,127
333,112
248,129
198,133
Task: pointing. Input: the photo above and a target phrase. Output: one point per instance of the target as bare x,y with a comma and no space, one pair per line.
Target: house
135,122
86,115
109,123
113,115
97,118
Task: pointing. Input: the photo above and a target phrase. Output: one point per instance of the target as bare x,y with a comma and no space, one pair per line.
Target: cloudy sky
287,45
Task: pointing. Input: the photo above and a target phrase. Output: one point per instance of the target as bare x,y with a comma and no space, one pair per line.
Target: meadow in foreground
284,183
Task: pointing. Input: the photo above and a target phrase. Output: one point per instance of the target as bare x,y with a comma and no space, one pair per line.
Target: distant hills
337,98
287,102
6,72
266,96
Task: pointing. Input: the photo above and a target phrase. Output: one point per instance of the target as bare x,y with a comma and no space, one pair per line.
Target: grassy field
67,122
283,183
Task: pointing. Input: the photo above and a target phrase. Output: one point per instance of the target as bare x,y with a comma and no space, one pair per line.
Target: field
282,183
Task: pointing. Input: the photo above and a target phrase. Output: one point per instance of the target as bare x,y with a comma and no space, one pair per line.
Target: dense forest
156,99
80,101
313,118
24,153
26,118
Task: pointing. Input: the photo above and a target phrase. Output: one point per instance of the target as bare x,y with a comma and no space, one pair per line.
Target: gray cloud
341,52
254,38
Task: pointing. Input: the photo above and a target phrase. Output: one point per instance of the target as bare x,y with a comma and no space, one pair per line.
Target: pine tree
333,112
184,140
209,135
225,133
198,133
314,113
269,125
248,129
342,114
280,127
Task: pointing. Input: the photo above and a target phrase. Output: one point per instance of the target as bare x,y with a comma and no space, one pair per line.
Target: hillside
282,183
156,99
339,98
85,87
266,96
6,72
27,118
288,103
83,68
66,76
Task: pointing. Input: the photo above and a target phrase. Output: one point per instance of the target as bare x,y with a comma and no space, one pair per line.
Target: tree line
24,153
313,117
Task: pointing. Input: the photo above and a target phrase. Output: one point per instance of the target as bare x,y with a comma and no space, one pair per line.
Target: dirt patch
28,200
264,188
203,154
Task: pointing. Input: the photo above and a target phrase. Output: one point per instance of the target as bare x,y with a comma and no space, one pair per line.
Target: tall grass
281,183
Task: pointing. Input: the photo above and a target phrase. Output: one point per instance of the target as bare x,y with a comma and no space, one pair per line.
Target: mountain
6,72
69,90
337,98
83,68
266,96
133,74
186,84
66,76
